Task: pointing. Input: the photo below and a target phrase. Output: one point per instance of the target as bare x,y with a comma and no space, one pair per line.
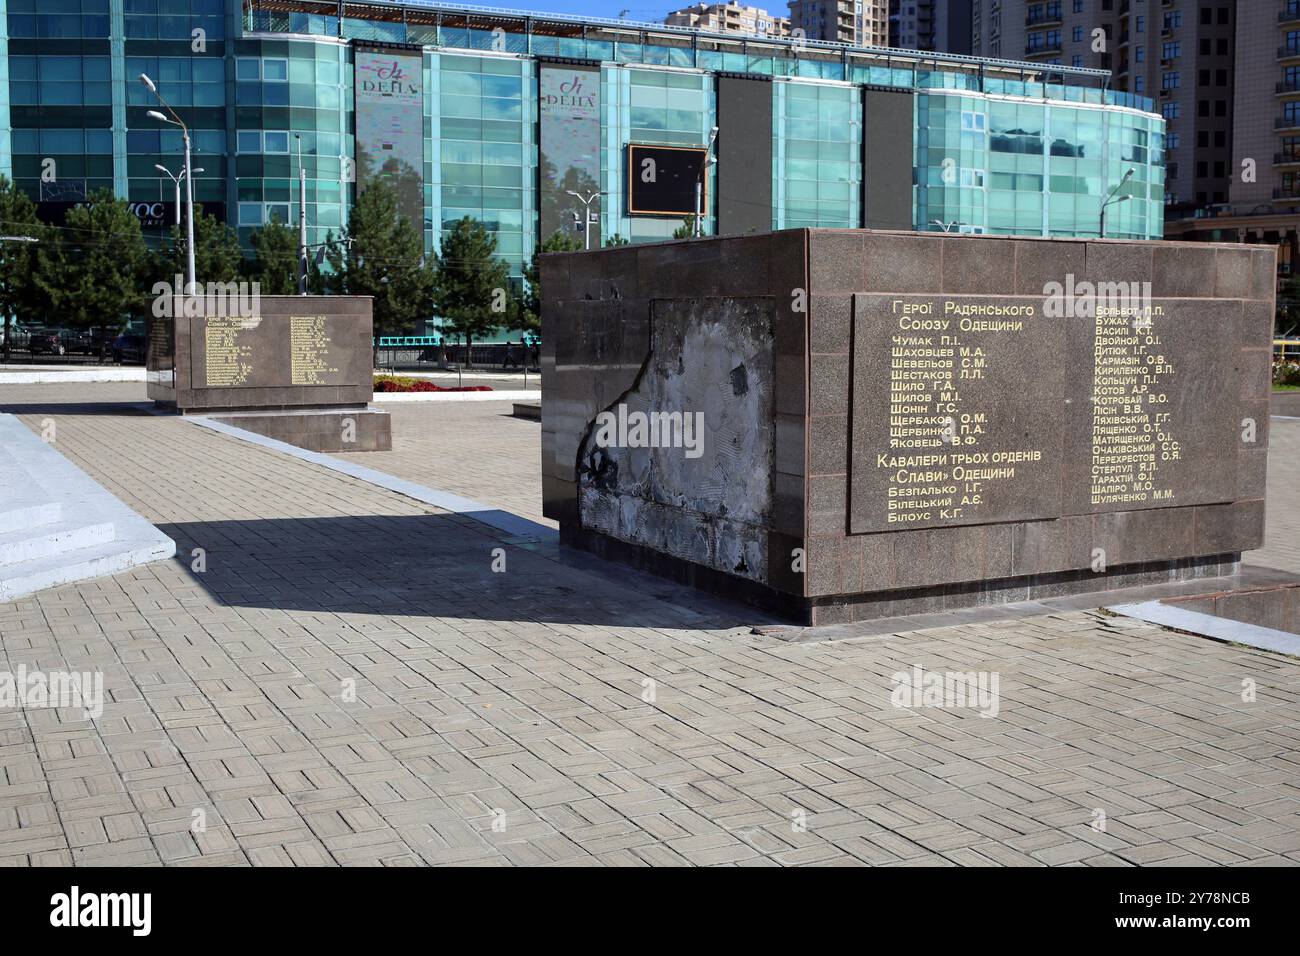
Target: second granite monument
295,368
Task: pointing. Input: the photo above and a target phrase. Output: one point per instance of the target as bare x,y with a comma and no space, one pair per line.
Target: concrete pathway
331,673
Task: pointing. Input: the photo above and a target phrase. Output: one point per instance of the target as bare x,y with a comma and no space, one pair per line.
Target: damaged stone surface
899,423
682,462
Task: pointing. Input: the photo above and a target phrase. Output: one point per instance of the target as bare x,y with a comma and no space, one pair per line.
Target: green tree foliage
217,257
529,315
616,240
25,274
473,293
384,259
275,262
687,229
102,264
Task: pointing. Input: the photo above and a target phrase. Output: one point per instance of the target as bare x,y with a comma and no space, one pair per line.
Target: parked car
21,334
47,342
128,348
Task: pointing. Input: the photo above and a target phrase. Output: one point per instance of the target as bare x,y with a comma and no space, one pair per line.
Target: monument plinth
893,423
295,368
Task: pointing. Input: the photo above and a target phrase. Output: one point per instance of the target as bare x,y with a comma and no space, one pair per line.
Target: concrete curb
56,376
519,528
498,396
1215,628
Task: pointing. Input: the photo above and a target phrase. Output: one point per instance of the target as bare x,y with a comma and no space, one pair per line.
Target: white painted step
20,517
57,524
32,543
112,558
24,503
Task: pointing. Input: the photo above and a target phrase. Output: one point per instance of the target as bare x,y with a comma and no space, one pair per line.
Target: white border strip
511,524
72,374
518,395
1216,628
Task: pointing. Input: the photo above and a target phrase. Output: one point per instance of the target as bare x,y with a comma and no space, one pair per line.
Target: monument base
846,608
363,428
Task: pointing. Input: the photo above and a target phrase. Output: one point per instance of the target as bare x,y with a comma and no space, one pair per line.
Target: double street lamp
175,120
589,215
176,181
1111,200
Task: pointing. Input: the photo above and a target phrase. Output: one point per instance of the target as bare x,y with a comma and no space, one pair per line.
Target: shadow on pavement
77,408
434,565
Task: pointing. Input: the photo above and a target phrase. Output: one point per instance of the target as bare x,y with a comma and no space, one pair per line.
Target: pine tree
473,293
102,263
275,263
382,255
530,307
217,256
22,292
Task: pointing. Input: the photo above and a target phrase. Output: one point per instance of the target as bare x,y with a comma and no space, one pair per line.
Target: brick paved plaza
570,712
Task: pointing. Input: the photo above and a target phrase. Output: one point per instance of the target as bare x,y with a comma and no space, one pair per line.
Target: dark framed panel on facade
667,186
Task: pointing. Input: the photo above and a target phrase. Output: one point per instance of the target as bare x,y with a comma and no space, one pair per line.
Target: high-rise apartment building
1250,193
730,17
859,22
1181,53
941,25
1047,31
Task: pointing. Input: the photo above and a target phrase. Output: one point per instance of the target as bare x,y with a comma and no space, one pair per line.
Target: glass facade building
996,146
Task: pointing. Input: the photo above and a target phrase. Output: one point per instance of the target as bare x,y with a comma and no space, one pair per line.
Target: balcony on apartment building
1286,159
1044,18
1290,14
1289,51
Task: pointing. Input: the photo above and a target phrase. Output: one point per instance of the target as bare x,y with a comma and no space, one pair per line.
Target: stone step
29,544
20,580
57,524
20,517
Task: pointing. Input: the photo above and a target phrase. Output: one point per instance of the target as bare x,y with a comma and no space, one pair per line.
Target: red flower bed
423,385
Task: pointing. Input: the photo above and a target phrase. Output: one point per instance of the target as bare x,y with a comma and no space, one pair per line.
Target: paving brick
517,696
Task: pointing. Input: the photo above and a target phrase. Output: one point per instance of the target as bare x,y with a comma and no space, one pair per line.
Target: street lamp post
947,226
1111,199
705,162
302,220
589,214
175,120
